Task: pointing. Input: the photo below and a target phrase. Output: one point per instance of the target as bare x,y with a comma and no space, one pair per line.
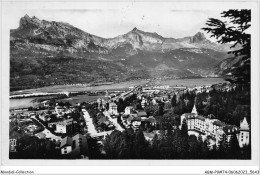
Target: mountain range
46,53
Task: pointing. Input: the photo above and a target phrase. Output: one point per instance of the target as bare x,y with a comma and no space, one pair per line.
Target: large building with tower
214,128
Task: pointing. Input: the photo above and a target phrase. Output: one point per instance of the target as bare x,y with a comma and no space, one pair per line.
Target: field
60,88
190,82
27,102
82,98
124,85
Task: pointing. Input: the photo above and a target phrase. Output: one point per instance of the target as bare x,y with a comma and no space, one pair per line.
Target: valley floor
123,85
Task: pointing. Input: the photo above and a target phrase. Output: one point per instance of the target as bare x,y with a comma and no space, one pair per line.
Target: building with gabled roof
74,147
66,145
244,125
129,110
244,136
214,128
113,109
63,126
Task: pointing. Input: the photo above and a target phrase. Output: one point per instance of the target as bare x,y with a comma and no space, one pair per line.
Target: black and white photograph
131,81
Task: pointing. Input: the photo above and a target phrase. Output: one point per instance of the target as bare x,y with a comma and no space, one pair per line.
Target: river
16,103
27,102
22,103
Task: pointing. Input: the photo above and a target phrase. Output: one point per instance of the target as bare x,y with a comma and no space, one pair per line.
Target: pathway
91,128
46,131
114,121
89,122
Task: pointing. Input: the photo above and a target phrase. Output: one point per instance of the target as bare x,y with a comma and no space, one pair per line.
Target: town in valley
173,120
138,95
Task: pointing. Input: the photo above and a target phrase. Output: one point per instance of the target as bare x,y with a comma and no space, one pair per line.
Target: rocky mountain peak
26,16
198,37
134,29
64,34
27,20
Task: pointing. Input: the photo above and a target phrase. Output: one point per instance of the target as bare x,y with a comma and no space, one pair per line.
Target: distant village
69,127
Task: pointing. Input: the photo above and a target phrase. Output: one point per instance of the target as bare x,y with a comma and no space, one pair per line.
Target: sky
110,22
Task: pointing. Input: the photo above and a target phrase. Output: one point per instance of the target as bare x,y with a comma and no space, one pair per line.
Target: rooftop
244,125
200,117
141,113
219,123
66,141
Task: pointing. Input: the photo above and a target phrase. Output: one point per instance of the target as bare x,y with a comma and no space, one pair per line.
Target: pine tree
206,148
169,135
111,145
94,149
173,101
200,146
234,149
140,145
200,140
155,147
184,129
222,147
194,148
176,140
235,32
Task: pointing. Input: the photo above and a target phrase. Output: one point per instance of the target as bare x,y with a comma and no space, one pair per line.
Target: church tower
194,110
244,133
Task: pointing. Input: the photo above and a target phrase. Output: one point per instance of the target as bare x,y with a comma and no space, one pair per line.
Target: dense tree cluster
228,106
31,147
170,144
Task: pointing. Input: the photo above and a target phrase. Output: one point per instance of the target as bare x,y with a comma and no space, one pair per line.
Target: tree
184,129
169,135
155,147
194,147
246,152
127,144
30,147
94,148
205,149
120,105
167,106
140,145
160,110
173,100
234,32
181,140
222,147
111,143
150,109
234,149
